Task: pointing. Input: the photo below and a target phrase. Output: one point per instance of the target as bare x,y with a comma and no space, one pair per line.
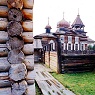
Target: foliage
94,47
79,83
90,47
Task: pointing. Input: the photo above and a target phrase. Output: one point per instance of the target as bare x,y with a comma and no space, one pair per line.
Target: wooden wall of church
16,47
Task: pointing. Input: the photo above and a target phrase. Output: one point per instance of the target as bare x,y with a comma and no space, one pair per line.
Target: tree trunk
3,24
15,56
3,11
15,43
2,45
15,4
4,64
3,37
19,88
5,91
14,28
27,26
5,83
28,49
3,52
28,14
17,72
15,15
27,37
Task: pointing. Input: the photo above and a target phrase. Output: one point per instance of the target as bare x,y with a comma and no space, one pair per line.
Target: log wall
16,48
77,63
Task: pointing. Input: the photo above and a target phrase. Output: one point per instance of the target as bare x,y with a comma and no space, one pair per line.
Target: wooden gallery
16,37
65,50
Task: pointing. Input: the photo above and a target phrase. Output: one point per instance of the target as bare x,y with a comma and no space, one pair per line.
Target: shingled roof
78,22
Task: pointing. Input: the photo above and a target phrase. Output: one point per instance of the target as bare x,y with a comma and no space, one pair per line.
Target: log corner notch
15,4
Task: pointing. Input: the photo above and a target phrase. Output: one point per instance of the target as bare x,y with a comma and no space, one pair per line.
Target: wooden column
16,47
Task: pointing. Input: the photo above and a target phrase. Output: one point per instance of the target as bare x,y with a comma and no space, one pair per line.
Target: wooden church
68,40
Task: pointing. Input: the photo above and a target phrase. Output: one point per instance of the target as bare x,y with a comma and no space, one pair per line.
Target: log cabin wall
77,63
16,47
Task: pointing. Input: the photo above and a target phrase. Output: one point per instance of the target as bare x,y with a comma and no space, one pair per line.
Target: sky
54,9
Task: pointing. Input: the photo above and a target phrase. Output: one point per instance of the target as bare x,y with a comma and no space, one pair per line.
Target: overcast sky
54,10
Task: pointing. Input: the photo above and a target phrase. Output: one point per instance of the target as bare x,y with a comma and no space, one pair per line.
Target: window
69,46
76,46
69,38
76,39
62,38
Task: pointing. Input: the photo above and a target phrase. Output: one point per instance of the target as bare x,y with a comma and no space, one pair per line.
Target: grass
79,83
38,91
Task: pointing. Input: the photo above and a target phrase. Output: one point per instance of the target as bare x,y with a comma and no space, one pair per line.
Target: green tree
90,47
94,47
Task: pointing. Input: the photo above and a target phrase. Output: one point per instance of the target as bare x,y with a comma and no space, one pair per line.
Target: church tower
78,25
48,27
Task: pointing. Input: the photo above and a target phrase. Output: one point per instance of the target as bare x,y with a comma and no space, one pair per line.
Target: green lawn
79,83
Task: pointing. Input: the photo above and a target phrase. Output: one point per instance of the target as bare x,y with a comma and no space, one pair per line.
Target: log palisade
16,48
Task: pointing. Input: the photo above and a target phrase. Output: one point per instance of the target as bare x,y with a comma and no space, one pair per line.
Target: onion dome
48,26
63,24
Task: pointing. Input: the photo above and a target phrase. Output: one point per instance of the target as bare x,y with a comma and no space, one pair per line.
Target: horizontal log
4,64
27,37
27,14
30,82
3,11
15,4
3,52
31,89
5,83
17,72
3,23
19,88
31,75
26,3
2,45
4,76
3,36
28,49
29,62
3,2
15,56
27,26
5,91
